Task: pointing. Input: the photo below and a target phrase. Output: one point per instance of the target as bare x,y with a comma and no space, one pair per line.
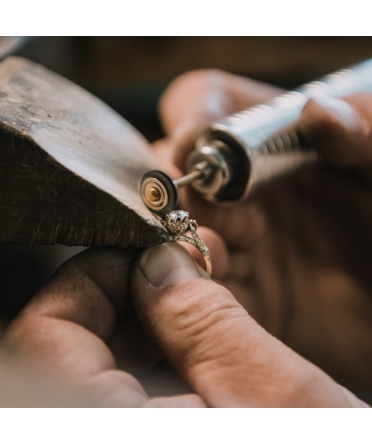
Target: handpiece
239,154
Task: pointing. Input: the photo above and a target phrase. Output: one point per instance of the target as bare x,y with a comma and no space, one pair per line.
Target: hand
73,341
299,254
62,337
213,343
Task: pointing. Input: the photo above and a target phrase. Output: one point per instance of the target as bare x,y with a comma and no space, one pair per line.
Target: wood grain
70,165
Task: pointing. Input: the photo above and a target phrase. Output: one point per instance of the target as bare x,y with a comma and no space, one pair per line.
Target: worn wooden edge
43,201
40,179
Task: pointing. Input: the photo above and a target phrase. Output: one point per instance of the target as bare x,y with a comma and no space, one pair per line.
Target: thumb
340,129
215,346
199,97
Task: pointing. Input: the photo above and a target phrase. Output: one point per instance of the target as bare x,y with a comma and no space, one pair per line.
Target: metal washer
169,190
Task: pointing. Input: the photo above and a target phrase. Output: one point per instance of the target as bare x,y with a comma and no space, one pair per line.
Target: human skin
63,333
299,253
285,279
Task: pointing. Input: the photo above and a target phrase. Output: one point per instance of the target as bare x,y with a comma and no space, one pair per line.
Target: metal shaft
257,145
187,179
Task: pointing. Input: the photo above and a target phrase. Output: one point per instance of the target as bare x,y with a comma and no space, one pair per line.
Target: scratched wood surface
70,165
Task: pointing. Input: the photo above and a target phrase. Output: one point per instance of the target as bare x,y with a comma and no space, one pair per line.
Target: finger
199,97
241,226
220,351
62,330
90,290
131,348
340,129
22,387
210,94
191,101
184,401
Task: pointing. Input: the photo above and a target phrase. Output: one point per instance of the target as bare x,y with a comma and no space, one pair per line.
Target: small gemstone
178,216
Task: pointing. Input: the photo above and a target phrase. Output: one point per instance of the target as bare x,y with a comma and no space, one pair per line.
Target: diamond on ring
177,221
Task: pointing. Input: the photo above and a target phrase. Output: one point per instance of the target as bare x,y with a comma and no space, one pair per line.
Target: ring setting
177,223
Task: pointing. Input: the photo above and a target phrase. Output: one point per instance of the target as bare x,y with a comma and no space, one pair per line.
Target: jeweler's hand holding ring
299,253
216,346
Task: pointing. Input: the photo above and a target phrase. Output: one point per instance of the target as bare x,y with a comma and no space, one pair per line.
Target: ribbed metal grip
262,141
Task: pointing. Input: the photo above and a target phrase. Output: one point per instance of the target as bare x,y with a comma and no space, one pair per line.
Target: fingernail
342,114
167,264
